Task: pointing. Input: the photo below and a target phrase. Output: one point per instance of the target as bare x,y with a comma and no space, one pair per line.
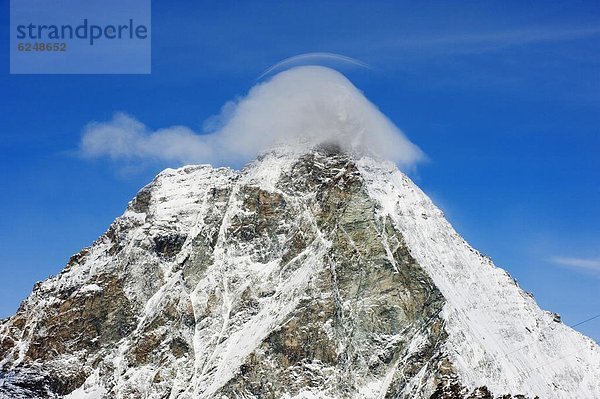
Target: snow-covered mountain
311,275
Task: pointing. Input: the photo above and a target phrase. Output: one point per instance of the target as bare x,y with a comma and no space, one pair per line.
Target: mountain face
315,275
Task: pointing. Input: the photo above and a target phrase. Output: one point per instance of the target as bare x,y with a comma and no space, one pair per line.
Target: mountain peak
321,273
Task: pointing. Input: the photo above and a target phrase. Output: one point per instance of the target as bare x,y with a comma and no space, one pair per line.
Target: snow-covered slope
303,275
498,336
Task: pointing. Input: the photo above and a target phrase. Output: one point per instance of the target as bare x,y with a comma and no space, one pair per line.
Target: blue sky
503,97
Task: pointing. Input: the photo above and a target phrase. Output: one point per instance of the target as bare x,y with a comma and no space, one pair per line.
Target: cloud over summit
300,107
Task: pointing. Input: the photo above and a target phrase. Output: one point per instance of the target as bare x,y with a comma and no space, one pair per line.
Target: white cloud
583,264
126,138
301,107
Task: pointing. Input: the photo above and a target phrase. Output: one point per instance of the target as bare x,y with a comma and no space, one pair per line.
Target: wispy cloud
504,59
581,264
487,41
500,38
314,59
301,107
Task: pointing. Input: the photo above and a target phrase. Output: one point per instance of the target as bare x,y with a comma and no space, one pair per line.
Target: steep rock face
315,275
365,303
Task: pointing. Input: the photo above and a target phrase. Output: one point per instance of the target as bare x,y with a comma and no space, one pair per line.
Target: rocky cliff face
314,275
